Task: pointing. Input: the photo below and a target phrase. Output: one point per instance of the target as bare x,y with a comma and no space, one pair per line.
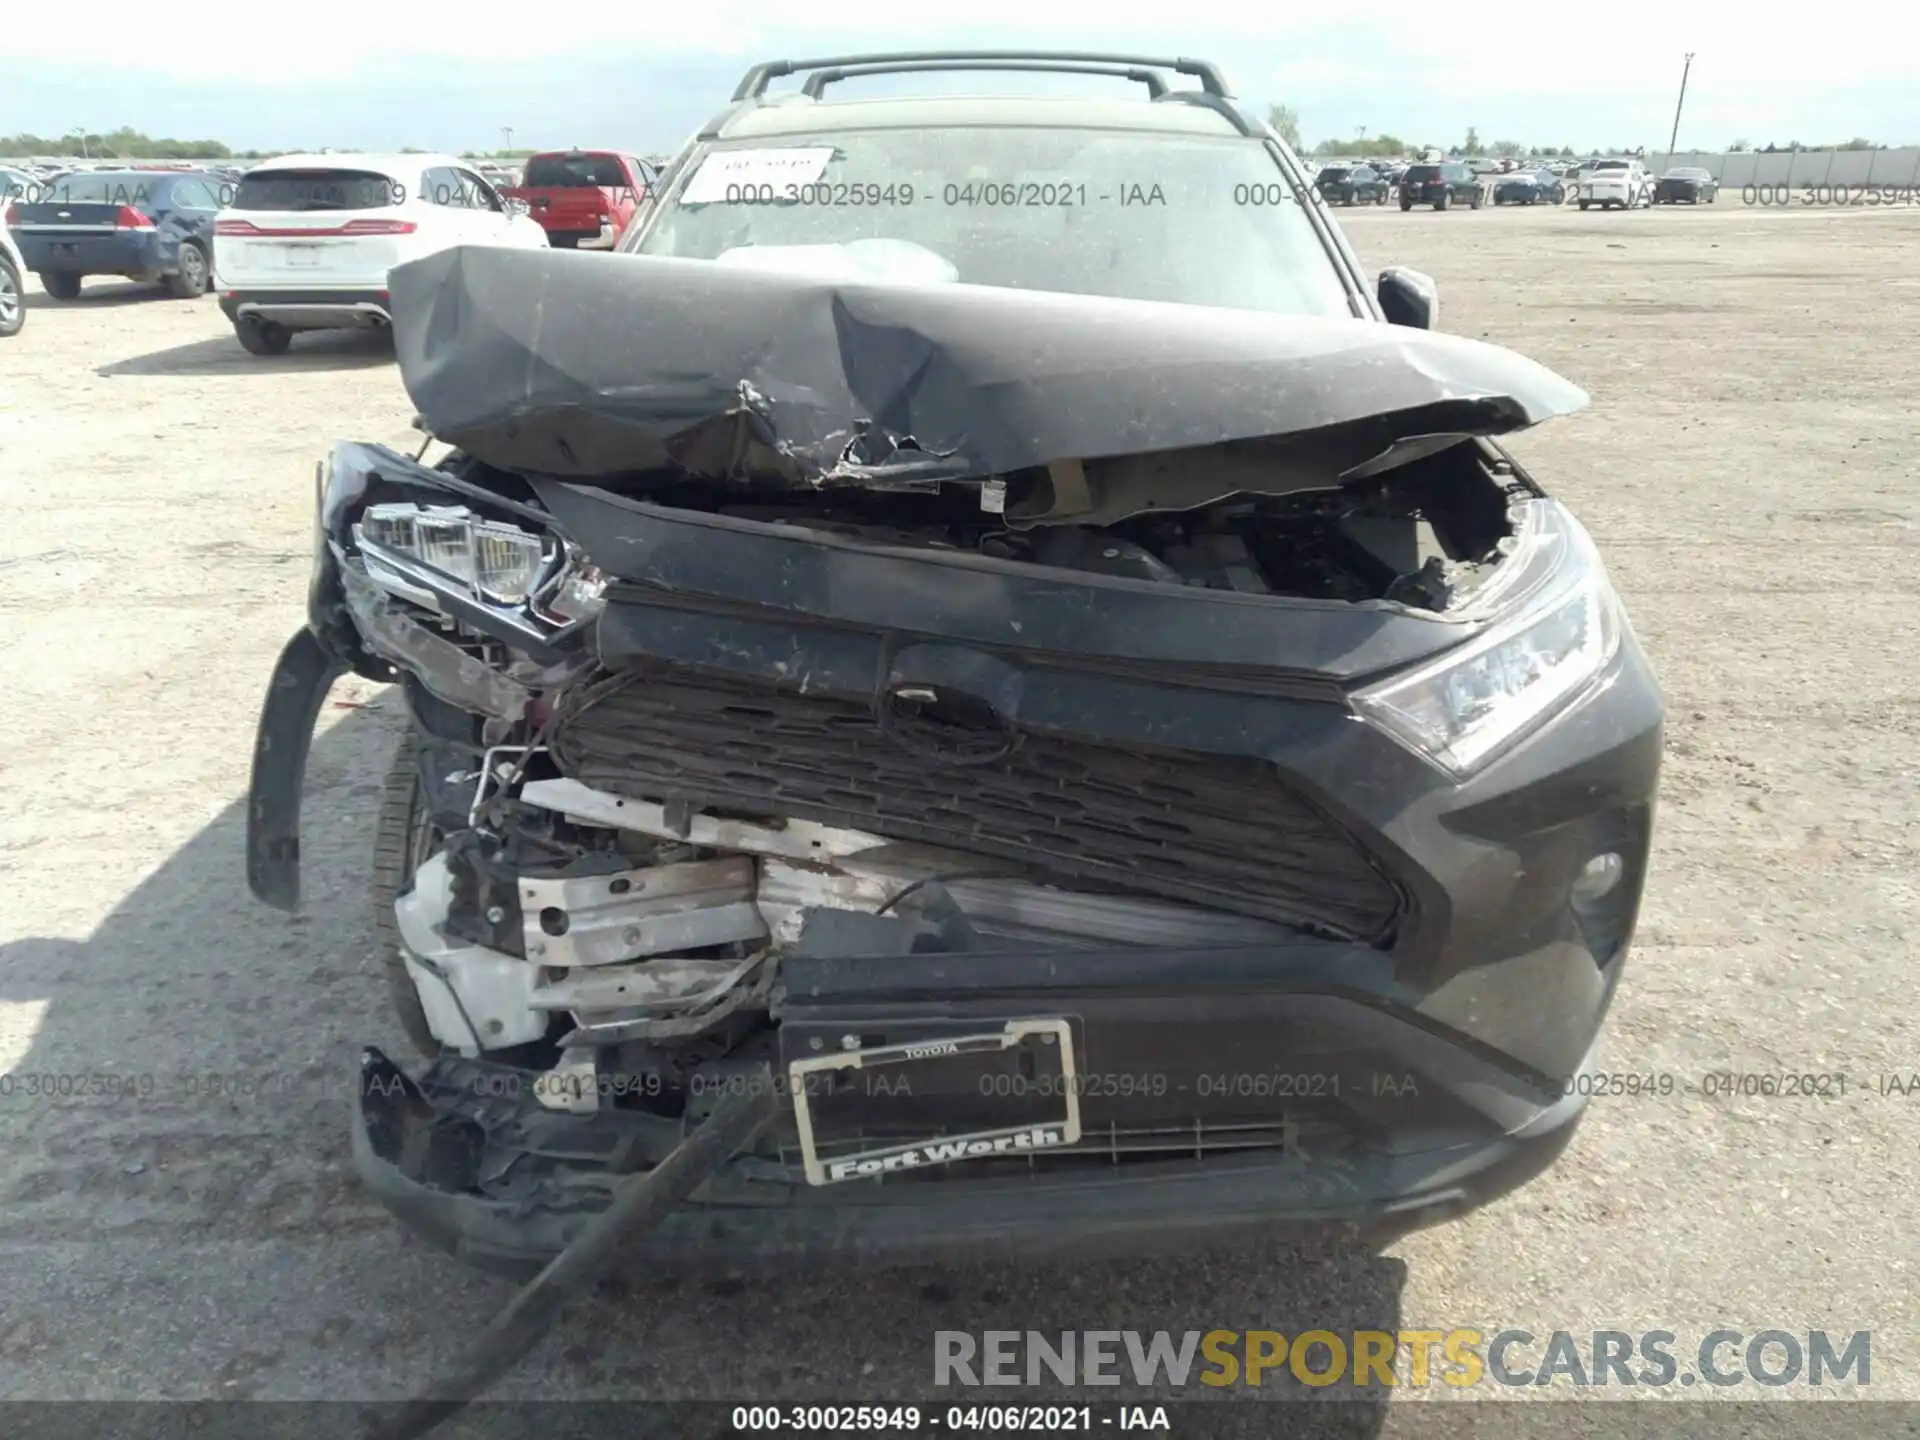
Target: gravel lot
1749,466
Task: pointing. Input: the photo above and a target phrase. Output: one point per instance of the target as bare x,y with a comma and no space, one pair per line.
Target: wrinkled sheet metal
593,365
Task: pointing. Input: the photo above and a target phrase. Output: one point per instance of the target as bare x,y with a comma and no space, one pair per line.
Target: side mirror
1409,297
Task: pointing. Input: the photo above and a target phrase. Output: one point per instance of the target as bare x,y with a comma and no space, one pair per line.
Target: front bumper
470,1161
310,309
135,254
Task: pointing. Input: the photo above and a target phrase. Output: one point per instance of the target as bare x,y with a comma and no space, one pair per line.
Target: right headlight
1561,629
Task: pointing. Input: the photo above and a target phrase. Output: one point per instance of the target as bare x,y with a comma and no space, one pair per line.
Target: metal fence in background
1795,168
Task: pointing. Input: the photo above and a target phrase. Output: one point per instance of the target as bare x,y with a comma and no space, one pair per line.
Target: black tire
1474,203
190,281
1584,204
1406,202
1445,201
404,837
13,310
262,337
61,284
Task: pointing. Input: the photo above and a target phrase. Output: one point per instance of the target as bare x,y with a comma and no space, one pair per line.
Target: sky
442,76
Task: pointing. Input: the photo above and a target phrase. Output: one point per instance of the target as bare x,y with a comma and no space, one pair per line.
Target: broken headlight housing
496,562
1558,630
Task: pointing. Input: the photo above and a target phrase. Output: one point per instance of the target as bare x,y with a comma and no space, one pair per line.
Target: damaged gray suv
981,629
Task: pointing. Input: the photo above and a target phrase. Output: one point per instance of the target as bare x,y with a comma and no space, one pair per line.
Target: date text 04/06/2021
978,1419
983,194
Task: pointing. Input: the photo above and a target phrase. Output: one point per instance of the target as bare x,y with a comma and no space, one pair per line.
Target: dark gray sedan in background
1686,185
1529,187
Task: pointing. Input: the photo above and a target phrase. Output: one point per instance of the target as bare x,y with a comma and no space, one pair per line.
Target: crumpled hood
580,364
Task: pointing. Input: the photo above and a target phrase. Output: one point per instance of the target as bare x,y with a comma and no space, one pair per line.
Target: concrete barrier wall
1803,167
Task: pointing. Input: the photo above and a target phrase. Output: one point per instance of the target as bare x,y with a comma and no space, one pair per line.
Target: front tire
189,282
404,839
1445,201
13,310
1584,204
1474,203
262,337
1406,202
61,284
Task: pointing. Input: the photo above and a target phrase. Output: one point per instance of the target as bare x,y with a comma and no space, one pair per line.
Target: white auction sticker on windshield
726,174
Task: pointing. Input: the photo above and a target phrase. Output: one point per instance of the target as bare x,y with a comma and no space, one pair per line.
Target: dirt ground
1751,468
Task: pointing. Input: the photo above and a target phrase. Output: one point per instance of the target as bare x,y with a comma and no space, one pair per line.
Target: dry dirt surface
1749,466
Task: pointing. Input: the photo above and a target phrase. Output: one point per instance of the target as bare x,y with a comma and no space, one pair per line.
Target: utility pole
506,133
1674,138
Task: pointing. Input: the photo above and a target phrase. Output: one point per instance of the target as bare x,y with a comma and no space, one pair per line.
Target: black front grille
1225,832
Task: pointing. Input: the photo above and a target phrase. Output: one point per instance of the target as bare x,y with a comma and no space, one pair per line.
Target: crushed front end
1234,825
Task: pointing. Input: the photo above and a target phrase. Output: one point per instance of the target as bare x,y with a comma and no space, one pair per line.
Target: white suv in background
1625,183
309,239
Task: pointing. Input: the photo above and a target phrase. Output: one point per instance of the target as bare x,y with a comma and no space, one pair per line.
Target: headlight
501,563
1476,701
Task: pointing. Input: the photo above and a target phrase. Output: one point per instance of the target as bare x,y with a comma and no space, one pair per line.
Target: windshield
1687,175
1135,216
100,188
1610,165
574,172
316,190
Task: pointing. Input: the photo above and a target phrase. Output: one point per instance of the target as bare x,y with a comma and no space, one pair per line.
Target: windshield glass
1123,214
1610,165
574,172
316,190
101,187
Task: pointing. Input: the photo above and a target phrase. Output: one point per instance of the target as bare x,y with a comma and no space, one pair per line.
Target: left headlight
496,562
1480,699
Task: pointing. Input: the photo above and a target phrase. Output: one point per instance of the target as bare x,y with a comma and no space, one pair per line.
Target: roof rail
754,83
1220,104
1155,82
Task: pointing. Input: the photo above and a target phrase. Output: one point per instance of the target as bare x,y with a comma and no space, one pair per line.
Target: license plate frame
304,257
945,1149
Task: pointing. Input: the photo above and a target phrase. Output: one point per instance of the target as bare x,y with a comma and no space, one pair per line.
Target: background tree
1471,145
1286,124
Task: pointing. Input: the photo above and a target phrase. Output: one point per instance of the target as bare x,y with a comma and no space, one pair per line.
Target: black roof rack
1154,80
754,83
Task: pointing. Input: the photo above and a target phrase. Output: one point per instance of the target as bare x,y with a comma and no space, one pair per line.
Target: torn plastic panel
557,363
449,671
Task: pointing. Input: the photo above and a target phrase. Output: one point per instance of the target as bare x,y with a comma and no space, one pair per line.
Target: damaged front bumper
1237,1098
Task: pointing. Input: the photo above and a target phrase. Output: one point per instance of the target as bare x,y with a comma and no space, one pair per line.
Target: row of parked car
1608,184
300,242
